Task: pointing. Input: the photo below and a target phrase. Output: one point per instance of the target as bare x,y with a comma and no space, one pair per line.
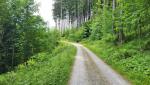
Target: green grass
127,59
43,69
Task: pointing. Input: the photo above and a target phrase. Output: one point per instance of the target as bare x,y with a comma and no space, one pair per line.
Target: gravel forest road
88,69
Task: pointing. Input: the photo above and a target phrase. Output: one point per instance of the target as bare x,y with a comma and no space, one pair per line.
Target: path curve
88,69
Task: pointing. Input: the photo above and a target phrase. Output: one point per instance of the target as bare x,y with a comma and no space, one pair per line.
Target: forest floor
88,69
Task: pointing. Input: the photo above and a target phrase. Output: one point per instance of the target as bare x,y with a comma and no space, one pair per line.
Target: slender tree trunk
61,18
77,14
89,9
113,15
59,25
121,32
13,54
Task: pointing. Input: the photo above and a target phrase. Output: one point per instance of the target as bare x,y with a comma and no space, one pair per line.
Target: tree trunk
113,15
121,32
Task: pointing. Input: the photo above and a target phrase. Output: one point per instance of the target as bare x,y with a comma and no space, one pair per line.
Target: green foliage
22,34
96,34
73,35
43,69
77,35
96,27
86,30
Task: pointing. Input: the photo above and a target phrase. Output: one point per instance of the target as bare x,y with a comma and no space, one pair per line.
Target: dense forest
22,34
118,31
121,19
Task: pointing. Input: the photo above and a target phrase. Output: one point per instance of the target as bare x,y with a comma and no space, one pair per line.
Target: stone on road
88,69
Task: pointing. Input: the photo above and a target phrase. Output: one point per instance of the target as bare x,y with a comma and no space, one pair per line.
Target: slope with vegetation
43,69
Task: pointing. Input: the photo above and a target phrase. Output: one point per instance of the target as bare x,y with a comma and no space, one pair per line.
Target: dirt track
90,70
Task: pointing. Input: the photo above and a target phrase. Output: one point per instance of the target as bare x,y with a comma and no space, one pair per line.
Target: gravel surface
88,69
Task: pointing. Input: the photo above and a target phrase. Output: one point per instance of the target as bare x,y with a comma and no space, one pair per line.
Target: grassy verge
127,59
43,69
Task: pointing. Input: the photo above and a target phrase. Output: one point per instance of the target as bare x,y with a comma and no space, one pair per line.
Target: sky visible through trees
45,11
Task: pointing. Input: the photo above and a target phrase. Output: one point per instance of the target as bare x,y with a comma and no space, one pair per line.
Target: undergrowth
130,59
43,69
